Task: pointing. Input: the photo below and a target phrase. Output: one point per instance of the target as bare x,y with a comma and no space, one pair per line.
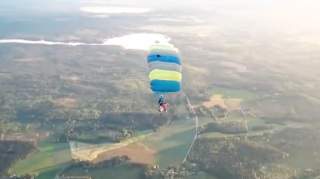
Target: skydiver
163,106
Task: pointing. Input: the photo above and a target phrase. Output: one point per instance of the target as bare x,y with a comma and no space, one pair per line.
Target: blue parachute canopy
164,69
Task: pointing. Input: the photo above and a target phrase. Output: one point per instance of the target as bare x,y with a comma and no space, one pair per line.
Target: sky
280,13
297,17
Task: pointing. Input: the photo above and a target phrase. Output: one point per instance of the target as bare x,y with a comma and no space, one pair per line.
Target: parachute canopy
164,68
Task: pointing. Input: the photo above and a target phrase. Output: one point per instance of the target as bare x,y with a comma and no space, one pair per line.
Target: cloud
114,10
136,41
40,42
139,41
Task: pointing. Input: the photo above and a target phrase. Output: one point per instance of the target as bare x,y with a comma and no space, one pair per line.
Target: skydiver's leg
161,108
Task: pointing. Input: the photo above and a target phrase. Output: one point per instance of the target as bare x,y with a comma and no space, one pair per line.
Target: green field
52,172
171,142
116,172
48,156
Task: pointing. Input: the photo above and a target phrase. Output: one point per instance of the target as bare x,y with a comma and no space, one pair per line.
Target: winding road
196,122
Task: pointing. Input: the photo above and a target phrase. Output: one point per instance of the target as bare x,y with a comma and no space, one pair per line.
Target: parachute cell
164,69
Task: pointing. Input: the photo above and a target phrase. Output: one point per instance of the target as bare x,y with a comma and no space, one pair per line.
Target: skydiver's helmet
161,98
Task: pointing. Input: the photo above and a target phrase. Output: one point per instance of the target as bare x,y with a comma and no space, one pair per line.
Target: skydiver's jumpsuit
162,103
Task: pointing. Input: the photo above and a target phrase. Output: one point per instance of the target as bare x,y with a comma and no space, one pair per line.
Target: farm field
48,156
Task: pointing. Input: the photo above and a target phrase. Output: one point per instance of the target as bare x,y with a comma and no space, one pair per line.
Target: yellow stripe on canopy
157,74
